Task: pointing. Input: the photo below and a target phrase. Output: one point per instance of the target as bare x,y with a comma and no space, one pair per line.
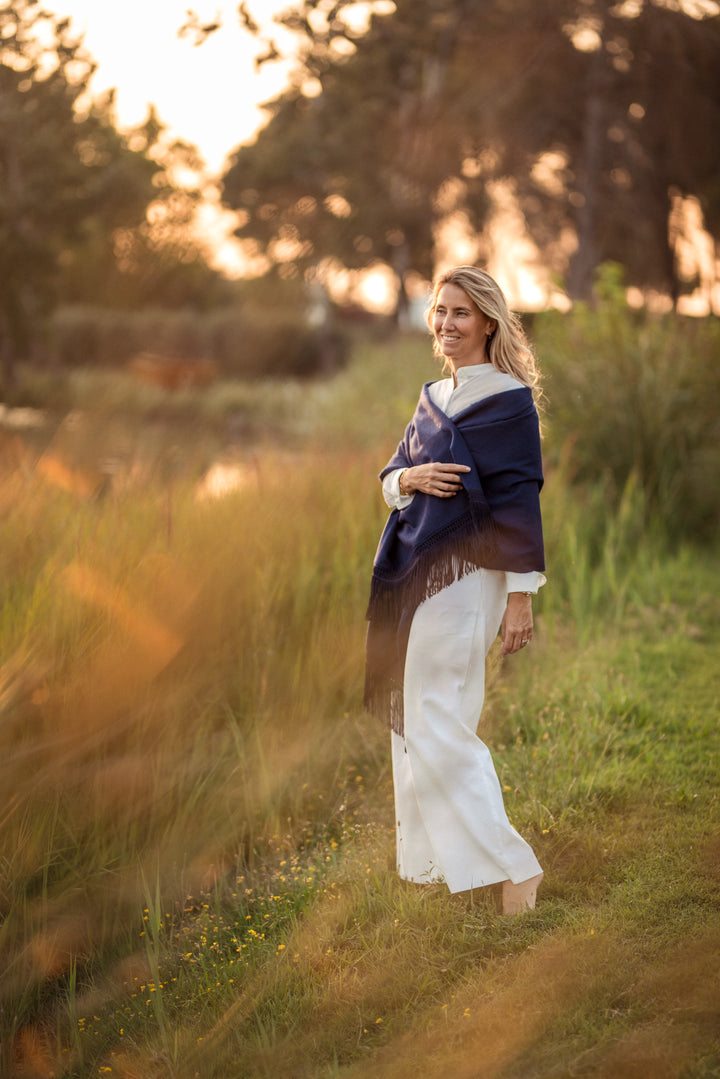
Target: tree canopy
75,193
61,163
597,112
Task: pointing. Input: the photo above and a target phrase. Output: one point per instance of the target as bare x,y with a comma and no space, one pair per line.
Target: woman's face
460,329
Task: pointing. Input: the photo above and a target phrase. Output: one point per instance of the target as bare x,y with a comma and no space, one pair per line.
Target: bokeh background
212,286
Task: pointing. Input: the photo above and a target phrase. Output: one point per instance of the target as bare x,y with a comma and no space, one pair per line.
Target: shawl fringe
393,603
433,570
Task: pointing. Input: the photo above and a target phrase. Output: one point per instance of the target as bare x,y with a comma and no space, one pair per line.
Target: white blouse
473,384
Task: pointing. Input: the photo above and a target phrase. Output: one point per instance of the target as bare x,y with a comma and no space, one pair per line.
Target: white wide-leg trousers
450,819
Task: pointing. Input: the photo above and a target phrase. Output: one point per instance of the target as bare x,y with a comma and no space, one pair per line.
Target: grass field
196,845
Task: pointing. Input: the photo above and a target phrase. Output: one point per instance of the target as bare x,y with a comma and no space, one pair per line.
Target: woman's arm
437,478
517,625
441,480
391,490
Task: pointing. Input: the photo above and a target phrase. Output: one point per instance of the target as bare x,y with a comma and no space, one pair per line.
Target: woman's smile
461,329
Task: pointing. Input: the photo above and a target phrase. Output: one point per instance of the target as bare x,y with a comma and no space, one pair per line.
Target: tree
352,172
85,211
150,256
61,162
645,95
568,99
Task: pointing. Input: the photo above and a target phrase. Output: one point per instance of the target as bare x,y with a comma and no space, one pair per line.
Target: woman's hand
517,624
441,480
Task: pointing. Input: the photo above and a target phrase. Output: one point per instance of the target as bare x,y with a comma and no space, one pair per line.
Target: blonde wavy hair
508,348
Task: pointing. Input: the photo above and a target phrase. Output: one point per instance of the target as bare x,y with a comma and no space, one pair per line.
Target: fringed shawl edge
441,561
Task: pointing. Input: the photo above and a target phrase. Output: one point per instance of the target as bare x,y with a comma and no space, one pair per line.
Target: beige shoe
519,897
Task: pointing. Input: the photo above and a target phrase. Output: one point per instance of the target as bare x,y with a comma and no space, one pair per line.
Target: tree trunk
402,309
7,358
401,266
585,260
673,236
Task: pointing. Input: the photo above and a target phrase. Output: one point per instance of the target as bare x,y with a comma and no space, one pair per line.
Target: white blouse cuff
525,582
391,491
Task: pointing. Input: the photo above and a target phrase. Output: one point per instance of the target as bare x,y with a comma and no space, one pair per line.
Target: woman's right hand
441,480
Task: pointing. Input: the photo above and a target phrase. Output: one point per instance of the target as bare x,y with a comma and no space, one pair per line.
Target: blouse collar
472,370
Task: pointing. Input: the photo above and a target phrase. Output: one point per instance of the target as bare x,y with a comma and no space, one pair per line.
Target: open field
196,849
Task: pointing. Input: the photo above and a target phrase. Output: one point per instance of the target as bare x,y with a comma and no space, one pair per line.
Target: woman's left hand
517,625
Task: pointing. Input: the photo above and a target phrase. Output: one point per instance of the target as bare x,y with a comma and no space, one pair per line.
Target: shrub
242,342
635,394
253,345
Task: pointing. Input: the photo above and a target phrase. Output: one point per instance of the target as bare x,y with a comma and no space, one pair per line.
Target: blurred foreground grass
196,826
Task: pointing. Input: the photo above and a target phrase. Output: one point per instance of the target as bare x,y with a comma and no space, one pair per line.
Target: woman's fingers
515,643
439,478
517,624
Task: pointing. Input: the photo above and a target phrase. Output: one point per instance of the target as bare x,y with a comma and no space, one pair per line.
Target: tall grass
173,682
633,396
196,831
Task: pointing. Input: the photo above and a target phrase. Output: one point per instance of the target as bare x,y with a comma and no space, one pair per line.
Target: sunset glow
209,95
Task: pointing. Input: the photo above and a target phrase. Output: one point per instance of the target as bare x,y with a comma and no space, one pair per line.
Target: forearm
517,625
392,494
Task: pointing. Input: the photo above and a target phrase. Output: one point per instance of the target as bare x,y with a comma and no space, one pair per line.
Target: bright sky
209,94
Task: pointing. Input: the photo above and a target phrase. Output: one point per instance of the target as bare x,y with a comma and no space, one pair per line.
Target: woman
460,557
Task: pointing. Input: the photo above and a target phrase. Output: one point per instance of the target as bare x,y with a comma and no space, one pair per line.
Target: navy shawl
493,522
